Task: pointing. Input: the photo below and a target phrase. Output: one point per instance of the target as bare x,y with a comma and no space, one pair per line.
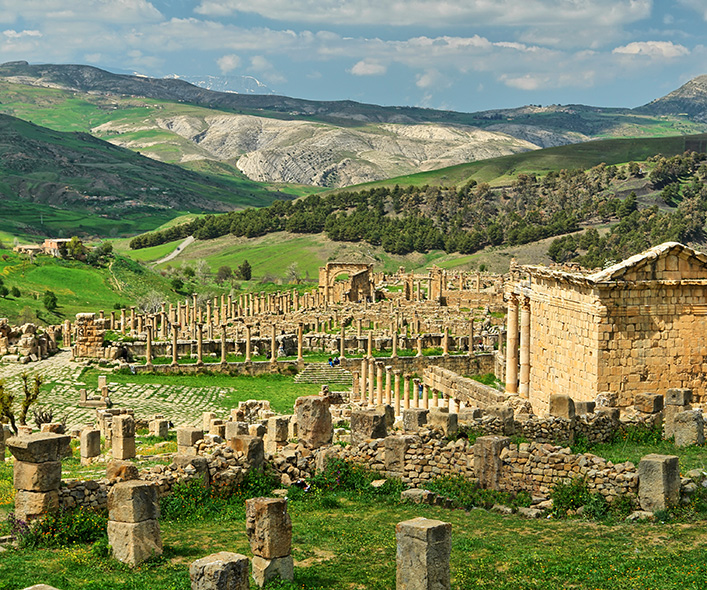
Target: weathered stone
159,428
257,430
678,397
133,501
37,477
441,419
278,427
40,587
188,437
367,424
487,459
207,418
220,571
424,549
123,448
503,412
121,469
269,527
251,447
607,399
324,457
418,496
265,570
689,428
90,443
650,403
562,406
200,465
134,542
395,449
235,429
584,408
414,419
313,421
388,412
658,482
39,447
123,426
29,505
469,415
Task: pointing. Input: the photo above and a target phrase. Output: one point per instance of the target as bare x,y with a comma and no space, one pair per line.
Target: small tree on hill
223,274
177,284
50,300
31,393
245,272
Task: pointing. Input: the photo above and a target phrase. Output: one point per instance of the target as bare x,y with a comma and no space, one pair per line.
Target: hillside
689,100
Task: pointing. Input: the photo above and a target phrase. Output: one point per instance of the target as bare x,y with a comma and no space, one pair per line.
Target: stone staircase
324,374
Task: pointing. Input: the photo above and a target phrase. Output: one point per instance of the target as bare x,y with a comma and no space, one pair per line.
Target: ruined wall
469,391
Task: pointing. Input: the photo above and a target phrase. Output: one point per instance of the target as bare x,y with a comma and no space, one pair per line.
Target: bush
50,300
62,528
639,434
15,292
467,495
343,476
596,508
569,496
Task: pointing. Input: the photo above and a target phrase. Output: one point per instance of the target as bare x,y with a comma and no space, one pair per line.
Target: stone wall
463,389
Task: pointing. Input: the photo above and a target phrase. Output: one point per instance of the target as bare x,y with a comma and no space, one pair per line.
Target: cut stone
134,542
269,527
658,482
37,477
366,425
220,571
265,570
251,447
414,419
423,552
40,447
90,443
313,421
29,505
562,406
133,501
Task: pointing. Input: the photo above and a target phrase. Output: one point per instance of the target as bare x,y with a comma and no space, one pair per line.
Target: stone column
419,345
425,397
379,383
364,374
658,482
90,445
512,345
358,328
175,355
273,344
300,342
133,529
269,530
524,388
370,344
200,345
471,337
342,345
148,347
416,393
112,320
435,399
371,383
423,553
396,391
445,343
223,344
388,385
67,334
247,344
394,352
406,392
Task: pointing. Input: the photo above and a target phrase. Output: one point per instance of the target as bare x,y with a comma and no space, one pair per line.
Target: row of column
518,346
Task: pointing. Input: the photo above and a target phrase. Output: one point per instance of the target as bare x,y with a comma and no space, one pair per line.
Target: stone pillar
273,344
379,383
658,482
358,328
220,571
524,387
471,337
187,437
425,397
175,355
419,345
148,347
435,398
363,381
370,344
396,392
512,345
388,385
269,530
112,320
300,339
247,344
406,392
394,352
371,383
200,344
133,322
342,344
314,426
90,445
445,343
133,529
423,554
37,472
66,335
123,437
416,393
487,460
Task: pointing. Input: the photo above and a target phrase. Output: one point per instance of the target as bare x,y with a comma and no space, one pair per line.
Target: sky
464,55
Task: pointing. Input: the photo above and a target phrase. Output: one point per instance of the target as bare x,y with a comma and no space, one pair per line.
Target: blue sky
463,55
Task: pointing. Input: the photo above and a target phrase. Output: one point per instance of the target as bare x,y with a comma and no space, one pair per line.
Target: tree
15,292
223,274
31,393
245,272
177,284
3,291
49,300
293,273
7,400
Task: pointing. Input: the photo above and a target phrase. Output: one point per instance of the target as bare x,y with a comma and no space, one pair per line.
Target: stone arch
358,286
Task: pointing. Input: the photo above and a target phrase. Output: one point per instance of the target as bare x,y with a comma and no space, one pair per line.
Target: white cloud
10,34
99,11
261,66
368,68
698,6
653,49
228,63
431,79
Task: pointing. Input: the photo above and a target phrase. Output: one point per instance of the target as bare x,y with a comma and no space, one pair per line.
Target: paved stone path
181,404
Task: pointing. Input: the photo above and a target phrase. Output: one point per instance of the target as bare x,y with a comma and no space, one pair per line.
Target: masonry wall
469,391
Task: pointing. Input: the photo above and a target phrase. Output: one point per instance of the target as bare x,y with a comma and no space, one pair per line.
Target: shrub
466,494
596,508
50,300
569,496
639,434
61,528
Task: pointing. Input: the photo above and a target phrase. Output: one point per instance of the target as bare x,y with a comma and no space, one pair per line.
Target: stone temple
638,326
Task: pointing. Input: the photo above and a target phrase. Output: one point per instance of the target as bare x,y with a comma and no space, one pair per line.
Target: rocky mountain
689,100
237,84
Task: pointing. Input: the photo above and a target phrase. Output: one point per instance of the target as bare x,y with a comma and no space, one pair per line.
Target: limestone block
414,419
265,570
503,412
366,425
39,447
424,547
200,465
159,428
395,449
658,482
650,403
584,408
607,399
487,459
468,415
121,469
37,477
29,505
613,413
235,429
133,501
257,430
207,418
134,542
188,437
278,427
90,443
123,448
441,419
678,397
562,406
251,447
389,414
689,428
55,427
313,421
324,457
220,571
217,427
123,426
40,587
269,527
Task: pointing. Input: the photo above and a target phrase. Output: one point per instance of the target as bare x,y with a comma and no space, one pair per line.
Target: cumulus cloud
653,49
228,63
262,66
368,68
10,34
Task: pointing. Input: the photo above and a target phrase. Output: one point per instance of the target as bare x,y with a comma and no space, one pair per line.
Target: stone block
207,418
389,414
395,449
366,425
124,470
257,430
251,447
29,505
123,448
40,587
220,571
584,408
650,403
414,419
40,447
123,426
562,406
217,428
503,412
689,428
37,477
188,437
235,429
441,419
424,547
324,457
613,413
487,459
133,501
678,397
159,428
658,482
134,542
607,399
200,466
314,425
269,527
278,428
90,443
469,415
265,570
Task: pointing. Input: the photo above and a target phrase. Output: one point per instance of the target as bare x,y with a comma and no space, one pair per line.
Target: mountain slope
689,100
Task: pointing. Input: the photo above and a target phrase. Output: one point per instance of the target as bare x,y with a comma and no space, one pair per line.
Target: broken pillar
424,548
